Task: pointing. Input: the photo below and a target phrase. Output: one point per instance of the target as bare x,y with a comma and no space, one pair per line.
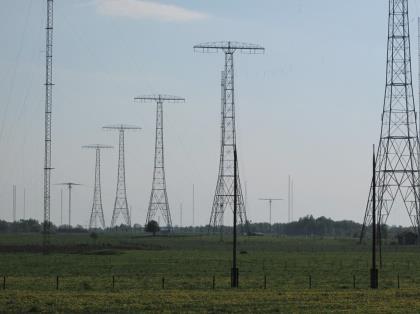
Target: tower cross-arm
229,47
159,98
121,127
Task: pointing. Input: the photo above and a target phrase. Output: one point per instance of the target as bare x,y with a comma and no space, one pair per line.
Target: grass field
125,273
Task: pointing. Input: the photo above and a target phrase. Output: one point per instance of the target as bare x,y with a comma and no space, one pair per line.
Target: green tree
94,236
152,226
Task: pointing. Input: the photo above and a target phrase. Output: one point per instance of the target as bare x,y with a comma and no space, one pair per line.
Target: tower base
234,277
374,278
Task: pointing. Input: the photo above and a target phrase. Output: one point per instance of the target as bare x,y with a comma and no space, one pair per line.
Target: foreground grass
227,301
188,265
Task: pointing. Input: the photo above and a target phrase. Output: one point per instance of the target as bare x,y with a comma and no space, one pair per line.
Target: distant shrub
84,285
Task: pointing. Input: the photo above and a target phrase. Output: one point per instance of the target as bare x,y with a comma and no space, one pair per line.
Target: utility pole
418,69
374,269
61,207
180,213
14,203
290,199
224,195
246,198
193,206
24,203
97,219
397,156
292,208
235,271
131,218
121,204
69,187
270,201
47,138
158,197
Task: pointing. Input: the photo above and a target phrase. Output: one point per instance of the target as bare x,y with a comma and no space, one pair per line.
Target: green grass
188,264
222,301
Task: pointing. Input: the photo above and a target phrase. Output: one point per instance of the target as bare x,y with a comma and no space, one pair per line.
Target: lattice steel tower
224,195
397,160
158,198
97,219
121,204
48,109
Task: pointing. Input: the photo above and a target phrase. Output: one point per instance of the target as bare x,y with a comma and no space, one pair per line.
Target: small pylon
158,197
97,219
224,194
121,204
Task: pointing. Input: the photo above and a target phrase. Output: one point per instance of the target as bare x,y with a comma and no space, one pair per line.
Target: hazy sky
309,107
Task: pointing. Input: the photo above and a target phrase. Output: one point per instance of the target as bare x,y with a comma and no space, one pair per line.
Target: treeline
310,226
306,226
34,226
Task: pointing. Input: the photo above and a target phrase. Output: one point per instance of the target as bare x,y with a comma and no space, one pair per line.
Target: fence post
214,282
354,281
56,283
4,282
163,282
310,282
113,282
398,280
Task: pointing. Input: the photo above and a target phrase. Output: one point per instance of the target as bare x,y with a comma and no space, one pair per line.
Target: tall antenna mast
121,204
224,194
158,197
397,158
97,219
48,109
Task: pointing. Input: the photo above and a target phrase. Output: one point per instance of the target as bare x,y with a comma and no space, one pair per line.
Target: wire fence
192,282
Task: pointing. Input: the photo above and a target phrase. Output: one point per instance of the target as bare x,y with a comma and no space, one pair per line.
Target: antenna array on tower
397,158
121,204
158,197
224,195
97,219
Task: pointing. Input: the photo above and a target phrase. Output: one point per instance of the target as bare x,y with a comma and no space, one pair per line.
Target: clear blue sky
309,107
